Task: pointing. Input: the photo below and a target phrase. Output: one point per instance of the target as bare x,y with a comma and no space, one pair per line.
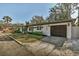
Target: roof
64,21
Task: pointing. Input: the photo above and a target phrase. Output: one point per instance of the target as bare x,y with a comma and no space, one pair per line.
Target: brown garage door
59,30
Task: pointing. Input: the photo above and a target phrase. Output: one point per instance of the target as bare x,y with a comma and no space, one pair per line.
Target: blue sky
23,12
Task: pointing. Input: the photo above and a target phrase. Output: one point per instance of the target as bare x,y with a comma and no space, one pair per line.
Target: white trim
59,24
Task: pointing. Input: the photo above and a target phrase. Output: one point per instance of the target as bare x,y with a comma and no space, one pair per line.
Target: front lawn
26,37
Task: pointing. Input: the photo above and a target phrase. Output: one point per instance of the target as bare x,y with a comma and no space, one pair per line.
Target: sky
21,12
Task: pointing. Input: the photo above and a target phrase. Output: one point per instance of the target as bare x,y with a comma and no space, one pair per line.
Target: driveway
40,48
58,41
9,47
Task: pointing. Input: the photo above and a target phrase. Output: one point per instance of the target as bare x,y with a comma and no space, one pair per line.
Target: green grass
36,33
26,37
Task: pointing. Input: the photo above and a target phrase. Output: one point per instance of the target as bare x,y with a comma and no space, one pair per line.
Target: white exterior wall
28,29
46,30
75,32
35,30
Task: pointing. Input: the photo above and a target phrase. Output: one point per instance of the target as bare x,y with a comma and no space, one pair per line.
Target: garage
59,30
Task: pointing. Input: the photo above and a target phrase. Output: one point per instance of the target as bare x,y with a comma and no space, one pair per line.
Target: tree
77,20
53,14
26,22
37,20
68,9
1,24
7,19
62,11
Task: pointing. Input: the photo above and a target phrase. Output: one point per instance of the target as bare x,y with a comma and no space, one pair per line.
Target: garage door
59,30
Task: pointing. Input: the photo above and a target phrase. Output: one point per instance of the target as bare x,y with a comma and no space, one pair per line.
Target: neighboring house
64,28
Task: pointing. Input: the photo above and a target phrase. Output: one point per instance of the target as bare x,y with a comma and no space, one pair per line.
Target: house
65,28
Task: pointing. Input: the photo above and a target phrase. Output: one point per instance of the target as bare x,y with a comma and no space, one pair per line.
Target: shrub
36,33
18,31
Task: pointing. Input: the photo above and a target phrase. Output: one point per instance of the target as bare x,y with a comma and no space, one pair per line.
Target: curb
22,44
19,43
16,40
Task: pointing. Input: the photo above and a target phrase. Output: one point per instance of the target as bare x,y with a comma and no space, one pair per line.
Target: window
30,28
39,27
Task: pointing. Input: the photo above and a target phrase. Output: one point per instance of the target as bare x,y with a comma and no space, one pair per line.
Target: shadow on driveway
58,41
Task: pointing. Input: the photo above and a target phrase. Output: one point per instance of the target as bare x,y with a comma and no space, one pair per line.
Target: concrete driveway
40,48
9,47
58,41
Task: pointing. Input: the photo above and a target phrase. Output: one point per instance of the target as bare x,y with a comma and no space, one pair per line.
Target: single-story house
65,28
